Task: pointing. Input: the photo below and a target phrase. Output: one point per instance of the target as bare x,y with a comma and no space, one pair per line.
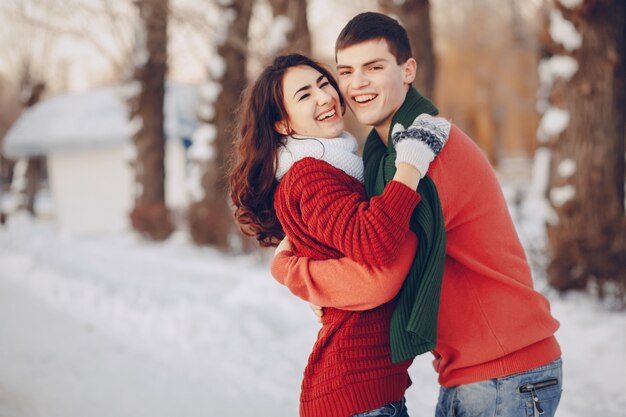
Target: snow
557,66
114,326
553,123
277,36
202,148
206,111
216,67
561,195
135,125
563,31
209,91
141,53
96,118
193,184
566,168
571,4
130,90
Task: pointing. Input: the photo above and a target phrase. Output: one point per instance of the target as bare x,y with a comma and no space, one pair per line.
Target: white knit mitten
421,142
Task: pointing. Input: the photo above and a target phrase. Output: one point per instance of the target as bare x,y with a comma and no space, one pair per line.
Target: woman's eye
324,84
303,96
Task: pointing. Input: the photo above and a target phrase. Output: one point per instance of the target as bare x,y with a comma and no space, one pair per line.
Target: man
495,351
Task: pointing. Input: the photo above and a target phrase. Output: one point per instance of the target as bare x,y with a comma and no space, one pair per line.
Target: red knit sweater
326,214
492,323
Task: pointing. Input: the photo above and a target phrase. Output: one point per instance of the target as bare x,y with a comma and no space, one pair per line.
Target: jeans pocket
541,396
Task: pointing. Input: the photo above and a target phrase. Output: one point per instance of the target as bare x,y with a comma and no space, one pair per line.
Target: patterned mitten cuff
421,142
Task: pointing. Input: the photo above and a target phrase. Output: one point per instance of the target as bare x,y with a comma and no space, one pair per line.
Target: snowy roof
96,118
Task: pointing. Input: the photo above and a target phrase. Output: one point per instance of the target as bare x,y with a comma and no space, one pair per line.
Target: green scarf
413,328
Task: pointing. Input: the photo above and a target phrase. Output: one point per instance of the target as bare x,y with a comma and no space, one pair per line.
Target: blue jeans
389,410
528,394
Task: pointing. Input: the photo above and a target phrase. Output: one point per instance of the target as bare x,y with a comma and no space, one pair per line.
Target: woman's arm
343,283
320,204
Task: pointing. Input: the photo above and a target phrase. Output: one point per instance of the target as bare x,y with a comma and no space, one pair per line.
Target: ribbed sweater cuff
403,198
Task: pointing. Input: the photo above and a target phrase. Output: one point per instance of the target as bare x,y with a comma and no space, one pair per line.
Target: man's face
372,83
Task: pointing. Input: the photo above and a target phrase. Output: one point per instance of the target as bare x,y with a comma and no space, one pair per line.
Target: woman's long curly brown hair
253,168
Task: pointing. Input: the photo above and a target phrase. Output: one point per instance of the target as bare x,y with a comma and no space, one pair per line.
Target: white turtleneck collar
340,152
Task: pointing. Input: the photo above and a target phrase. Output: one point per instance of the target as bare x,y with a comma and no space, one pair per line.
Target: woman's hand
318,311
283,245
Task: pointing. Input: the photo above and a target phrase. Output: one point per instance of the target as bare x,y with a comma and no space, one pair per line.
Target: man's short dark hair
372,26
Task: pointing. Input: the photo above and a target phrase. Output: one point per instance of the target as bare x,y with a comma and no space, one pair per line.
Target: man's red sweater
326,214
492,323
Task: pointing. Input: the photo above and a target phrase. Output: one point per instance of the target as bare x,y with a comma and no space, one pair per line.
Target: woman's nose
323,97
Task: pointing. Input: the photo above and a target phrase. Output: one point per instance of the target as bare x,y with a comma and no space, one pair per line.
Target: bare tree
415,17
26,66
290,17
210,218
31,91
150,216
584,126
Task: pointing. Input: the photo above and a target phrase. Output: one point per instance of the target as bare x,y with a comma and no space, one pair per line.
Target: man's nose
358,80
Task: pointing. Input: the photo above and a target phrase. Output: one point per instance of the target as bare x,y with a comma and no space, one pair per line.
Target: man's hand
318,311
421,142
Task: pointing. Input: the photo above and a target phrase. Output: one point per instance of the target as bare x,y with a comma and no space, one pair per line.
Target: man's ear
410,70
282,127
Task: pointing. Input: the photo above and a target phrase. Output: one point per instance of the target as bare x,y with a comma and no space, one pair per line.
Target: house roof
96,118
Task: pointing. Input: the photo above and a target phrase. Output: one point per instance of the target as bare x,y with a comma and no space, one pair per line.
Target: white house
86,139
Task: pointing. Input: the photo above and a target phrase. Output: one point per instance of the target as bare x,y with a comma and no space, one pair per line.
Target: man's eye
376,68
344,73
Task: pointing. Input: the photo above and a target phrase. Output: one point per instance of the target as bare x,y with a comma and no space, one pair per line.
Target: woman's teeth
326,115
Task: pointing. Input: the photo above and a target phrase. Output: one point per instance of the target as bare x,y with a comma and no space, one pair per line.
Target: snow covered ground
116,327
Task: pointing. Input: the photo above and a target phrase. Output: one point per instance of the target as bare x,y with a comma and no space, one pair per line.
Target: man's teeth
364,98
326,115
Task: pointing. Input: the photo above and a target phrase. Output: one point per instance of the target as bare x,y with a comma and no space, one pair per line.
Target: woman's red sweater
326,215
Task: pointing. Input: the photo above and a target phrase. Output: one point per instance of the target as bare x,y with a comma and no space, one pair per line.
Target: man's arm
344,283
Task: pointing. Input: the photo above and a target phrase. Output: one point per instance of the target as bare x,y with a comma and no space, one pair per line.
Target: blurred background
117,121
535,83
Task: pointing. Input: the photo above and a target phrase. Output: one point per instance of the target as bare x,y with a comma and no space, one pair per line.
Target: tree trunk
35,165
588,236
415,17
150,216
298,38
210,217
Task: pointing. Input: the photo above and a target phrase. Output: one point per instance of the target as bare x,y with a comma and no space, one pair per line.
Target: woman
296,173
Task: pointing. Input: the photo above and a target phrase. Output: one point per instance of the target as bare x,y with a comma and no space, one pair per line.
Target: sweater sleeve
343,283
337,213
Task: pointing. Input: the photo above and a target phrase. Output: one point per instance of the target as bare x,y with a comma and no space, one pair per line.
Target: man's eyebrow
373,61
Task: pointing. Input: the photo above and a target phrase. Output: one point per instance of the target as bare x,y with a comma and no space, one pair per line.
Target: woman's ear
281,127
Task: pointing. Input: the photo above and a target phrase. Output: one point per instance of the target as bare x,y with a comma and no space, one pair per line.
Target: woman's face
312,104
